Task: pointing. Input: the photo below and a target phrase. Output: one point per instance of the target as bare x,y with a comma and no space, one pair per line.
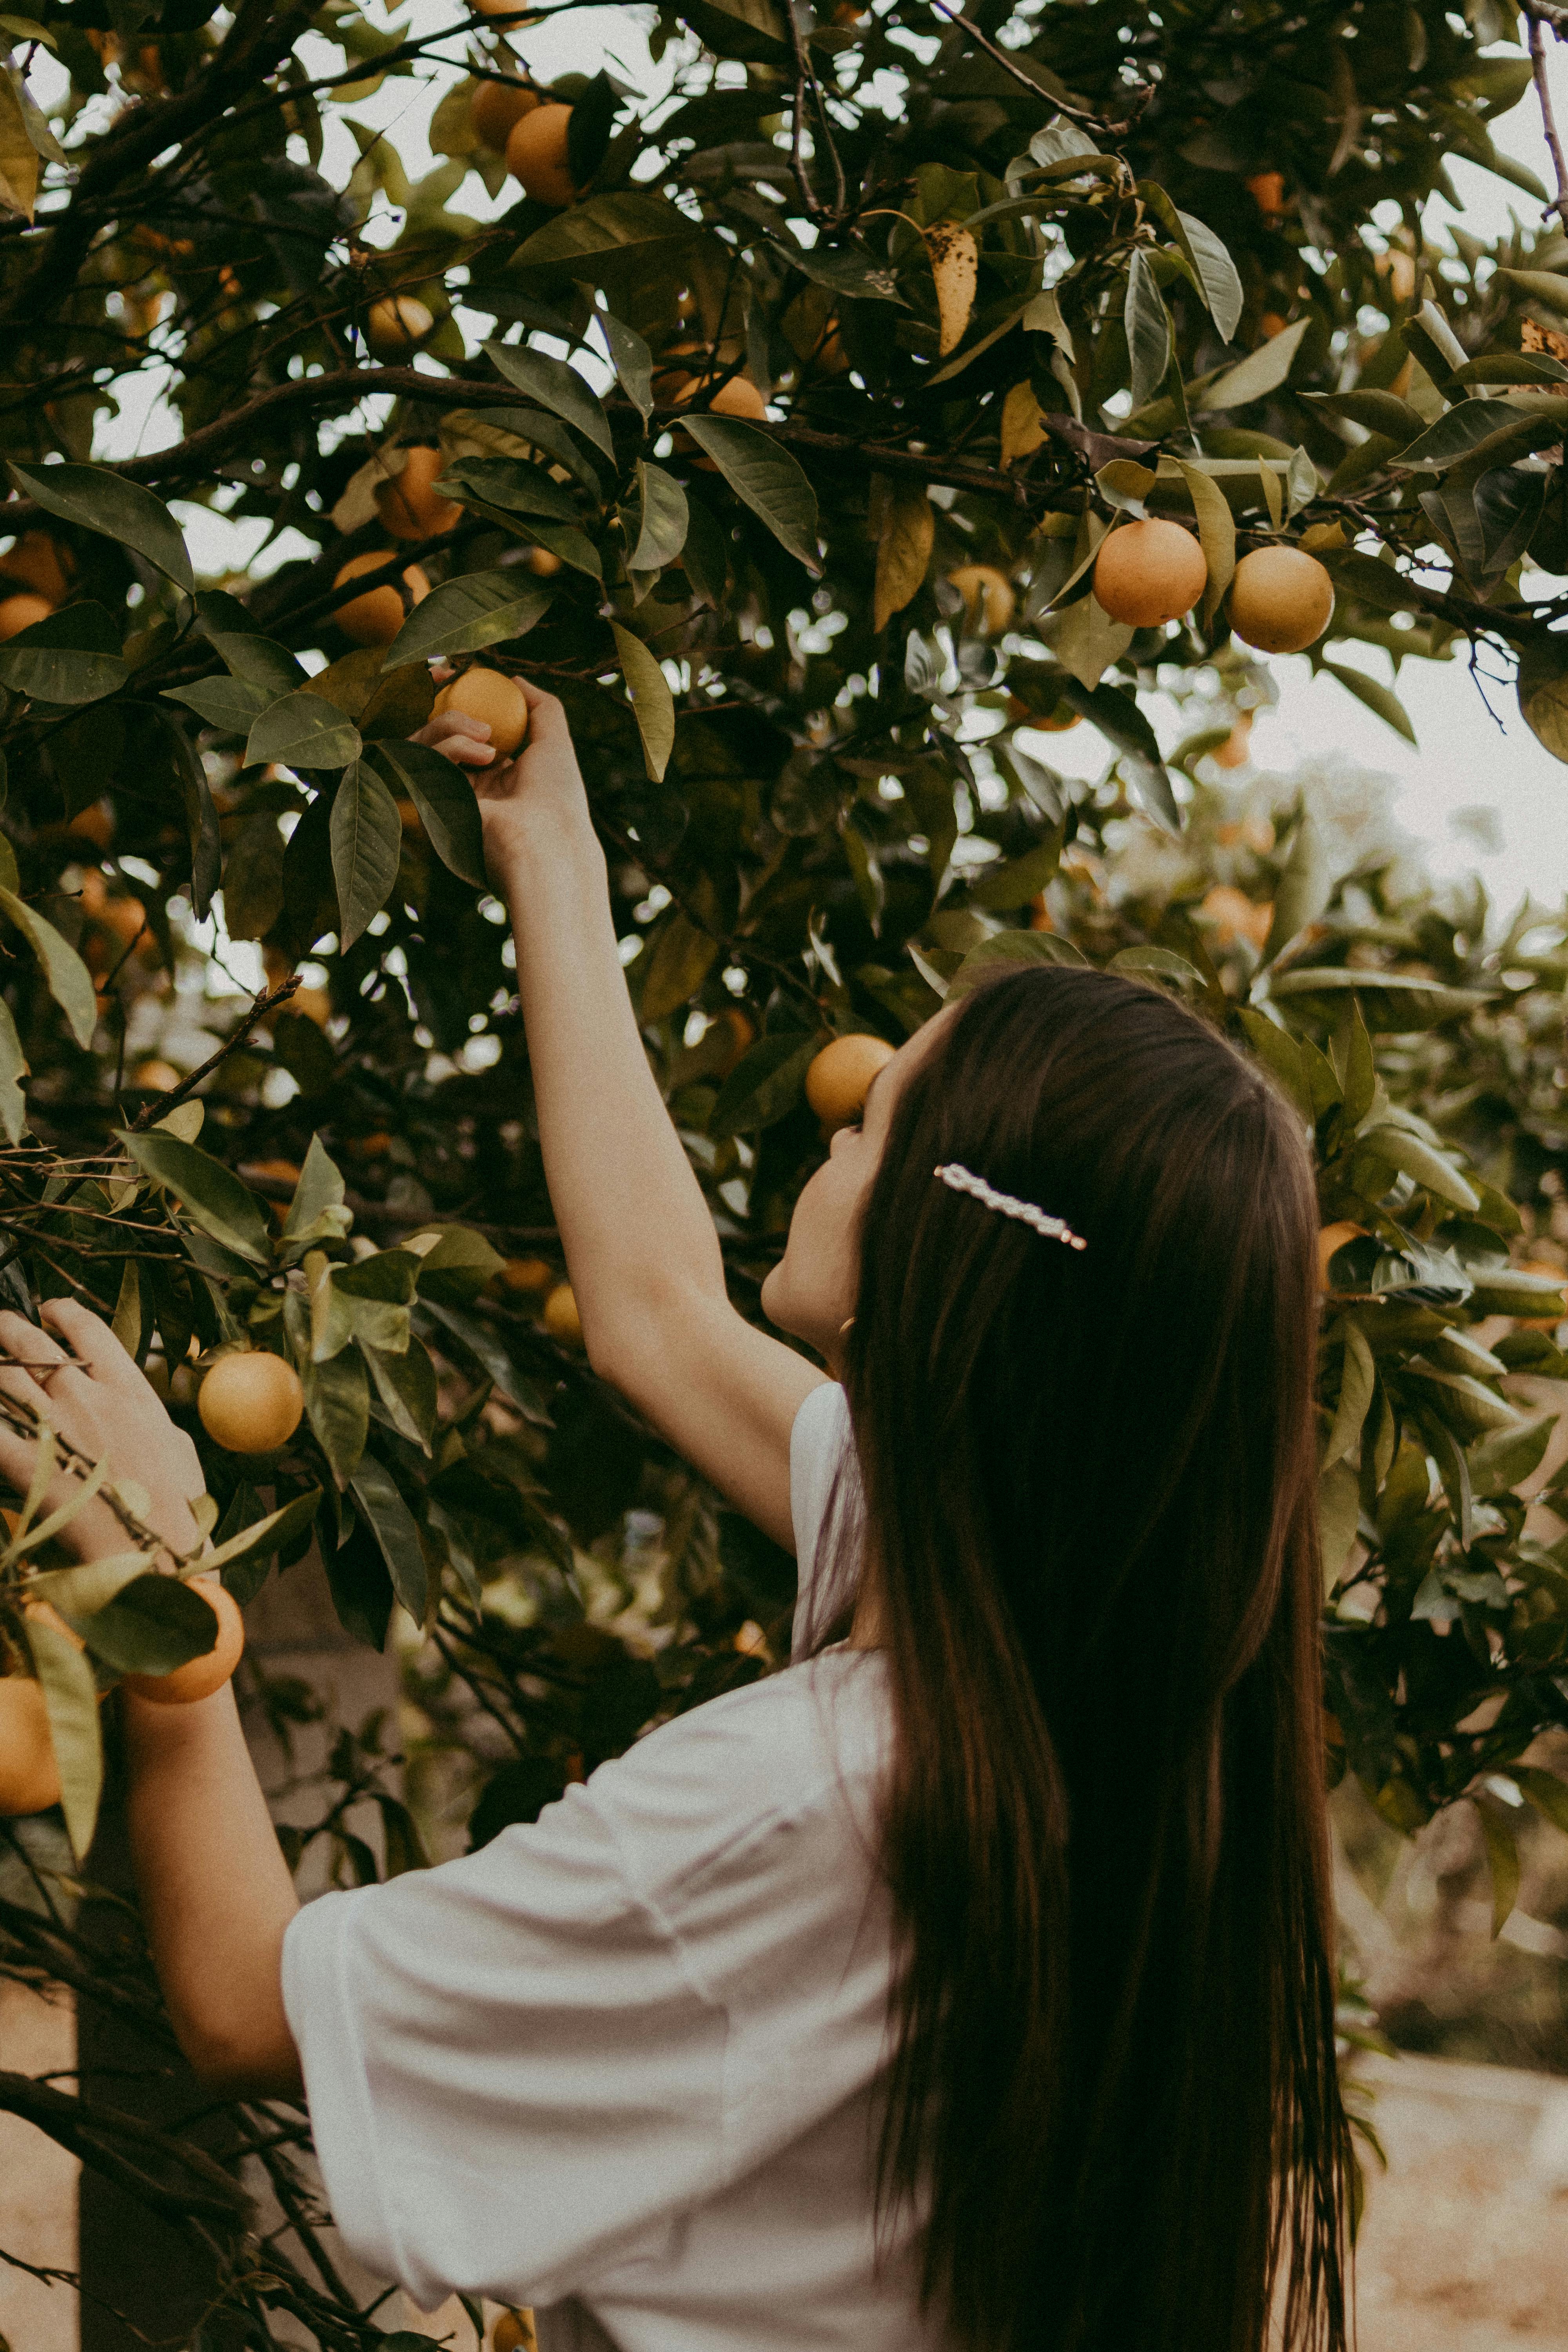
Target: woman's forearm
633,1220
216,1891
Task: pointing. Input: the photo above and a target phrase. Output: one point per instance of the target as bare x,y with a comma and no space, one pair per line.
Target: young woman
971,1983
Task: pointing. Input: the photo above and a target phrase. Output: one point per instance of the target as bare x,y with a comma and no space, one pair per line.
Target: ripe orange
374,618
95,824
21,612
988,593
29,1777
155,1076
409,506
542,560
495,106
199,1678
513,2332
250,1401
525,1274
40,564
1235,916
536,155
1331,1239
560,1316
1149,572
1235,750
486,694
1266,190
1281,601
313,1002
838,1081
396,323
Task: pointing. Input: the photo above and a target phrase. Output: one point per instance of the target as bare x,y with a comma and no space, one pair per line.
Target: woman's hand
93,1396
538,794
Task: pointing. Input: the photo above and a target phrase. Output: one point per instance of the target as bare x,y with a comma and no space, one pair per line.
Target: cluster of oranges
410,507
1280,598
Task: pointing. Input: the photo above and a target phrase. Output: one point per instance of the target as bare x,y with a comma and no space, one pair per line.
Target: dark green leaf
377,1493
632,359
154,1624
1119,718
367,842
98,499
302,730
661,519
68,657
555,386
765,477
69,981
764,1083
211,1195
605,229
508,483
229,703
1148,328
445,799
463,616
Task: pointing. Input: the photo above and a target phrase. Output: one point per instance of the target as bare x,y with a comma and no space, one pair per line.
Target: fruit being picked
1281,600
199,1678
839,1078
486,694
250,1401
1149,572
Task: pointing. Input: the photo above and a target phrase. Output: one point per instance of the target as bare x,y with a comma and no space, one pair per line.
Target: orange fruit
199,1678
1266,190
1235,750
21,612
39,564
313,1002
486,694
560,1316
250,1401
1281,600
155,1076
396,323
988,593
543,562
495,106
374,618
94,824
513,2332
409,506
1149,572
29,1777
1235,916
536,155
1333,1238
838,1079
522,1274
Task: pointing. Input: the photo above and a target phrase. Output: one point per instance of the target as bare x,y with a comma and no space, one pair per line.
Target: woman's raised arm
642,1255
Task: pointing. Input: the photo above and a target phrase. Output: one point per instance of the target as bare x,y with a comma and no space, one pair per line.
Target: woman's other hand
77,1375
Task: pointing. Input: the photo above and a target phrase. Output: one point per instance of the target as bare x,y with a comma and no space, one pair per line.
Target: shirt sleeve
821,1445
509,2070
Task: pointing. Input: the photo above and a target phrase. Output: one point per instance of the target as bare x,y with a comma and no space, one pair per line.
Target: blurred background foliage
775,424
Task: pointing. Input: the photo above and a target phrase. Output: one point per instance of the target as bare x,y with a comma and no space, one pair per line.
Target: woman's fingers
459,737
36,1354
92,1343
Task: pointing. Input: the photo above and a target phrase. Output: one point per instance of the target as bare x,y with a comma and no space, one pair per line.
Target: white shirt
625,2062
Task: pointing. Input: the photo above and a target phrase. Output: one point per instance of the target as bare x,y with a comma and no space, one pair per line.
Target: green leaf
1501,1461
1217,533
604,230
508,483
264,1536
1358,1379
68,979
317,1211
232,704
70,1695
153,1624
1120,719
662,519
444,797
1148,327
633,363
1002,888
1215,271
1160,962
1281,1053
1378,412
367,843
97,499
1339,1515
1305,887
679,962
764,1083
68,657
12,1069
464,615
1390,1000
751,29
1253,378
455,1263
1542,690
765,477
337,1395
555,386
651,699
302,730
377,1493
1426,1167
1503,1855
405,1385
1546,286
211,1196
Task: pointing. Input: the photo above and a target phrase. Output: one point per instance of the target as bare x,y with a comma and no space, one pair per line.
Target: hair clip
1026,1212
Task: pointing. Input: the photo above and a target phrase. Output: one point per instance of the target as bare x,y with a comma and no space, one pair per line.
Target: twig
1559,203
999,57
161,1106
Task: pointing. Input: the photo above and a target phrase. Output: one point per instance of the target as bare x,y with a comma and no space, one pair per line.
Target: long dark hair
1089,1486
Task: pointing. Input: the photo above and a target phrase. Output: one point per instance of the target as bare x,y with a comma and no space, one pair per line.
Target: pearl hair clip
1038,1220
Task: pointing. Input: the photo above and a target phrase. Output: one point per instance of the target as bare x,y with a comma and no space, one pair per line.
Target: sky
1477,790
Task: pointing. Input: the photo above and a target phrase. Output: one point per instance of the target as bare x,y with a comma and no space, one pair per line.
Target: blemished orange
29,1777
536,155
250,1401
1281,600
396,323
374,618
1149,572
560,1316
988,593
199,1678
22,612
1331,1239
487,695
839,1078
493,108
409,506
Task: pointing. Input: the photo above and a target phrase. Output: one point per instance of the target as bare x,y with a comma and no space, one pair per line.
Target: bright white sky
1465,765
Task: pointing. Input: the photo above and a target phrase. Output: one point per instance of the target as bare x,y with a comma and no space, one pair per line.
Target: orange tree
895,390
